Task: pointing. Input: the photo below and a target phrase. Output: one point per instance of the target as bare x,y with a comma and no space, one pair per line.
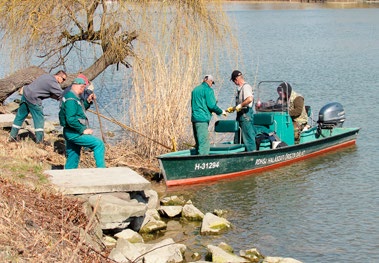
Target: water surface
325,209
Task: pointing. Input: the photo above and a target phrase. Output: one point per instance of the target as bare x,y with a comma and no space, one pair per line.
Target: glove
238,107
224,113
230,109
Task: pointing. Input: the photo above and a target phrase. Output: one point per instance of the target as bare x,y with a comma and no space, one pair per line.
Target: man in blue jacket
203,104
73,119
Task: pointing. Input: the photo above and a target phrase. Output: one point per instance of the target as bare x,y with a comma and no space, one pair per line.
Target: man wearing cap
244,108
87,91
74,121
43,87
203,103
296,107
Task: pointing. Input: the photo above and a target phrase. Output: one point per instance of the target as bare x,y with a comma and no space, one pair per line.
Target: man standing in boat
296,109
244,108
203,103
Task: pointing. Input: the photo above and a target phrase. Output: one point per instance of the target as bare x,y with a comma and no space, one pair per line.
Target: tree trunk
17,80
26,76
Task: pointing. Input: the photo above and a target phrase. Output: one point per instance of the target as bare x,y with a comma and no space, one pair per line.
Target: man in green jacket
74,121
203,103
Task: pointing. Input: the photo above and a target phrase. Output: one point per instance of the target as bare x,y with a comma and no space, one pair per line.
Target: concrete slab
97,180
6,120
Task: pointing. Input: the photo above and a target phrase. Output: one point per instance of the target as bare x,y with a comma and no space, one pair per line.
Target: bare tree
56,32
170,43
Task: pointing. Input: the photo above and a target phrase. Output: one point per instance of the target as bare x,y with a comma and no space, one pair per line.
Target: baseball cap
235,74
82,76
79,81
209,77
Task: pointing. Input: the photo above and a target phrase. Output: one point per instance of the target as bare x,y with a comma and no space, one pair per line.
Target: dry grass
36,223
41,226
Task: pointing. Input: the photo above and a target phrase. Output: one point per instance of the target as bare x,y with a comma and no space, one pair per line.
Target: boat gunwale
350,132
216,177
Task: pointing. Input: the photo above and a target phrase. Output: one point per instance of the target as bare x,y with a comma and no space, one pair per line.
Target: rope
130,129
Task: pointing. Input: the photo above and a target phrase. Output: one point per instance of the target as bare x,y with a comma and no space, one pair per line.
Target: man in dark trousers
45,86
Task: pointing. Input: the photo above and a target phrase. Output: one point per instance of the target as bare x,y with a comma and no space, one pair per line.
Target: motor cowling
331,115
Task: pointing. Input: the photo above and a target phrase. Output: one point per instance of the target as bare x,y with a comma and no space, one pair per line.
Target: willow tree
165,43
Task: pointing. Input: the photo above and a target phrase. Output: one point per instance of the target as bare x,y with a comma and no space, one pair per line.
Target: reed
173,56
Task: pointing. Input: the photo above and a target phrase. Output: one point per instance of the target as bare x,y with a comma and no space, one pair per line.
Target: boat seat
262,122
226,126
223,126
263,119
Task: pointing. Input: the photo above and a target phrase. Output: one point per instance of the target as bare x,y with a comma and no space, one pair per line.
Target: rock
226,247
109,241
91,241
170,211
219,255
190,212
153,199
213,224
152,222
220,212
252,254
173,200
114,212
130,235
280,260
196,256
6,120
164,251
12,106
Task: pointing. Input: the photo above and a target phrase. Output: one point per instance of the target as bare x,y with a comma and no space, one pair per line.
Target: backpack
272,137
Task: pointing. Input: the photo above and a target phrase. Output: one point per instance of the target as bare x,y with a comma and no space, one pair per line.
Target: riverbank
37,222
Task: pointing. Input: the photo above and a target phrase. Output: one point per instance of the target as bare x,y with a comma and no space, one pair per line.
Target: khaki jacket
297,108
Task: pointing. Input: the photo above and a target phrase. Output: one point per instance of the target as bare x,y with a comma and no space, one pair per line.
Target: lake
325,209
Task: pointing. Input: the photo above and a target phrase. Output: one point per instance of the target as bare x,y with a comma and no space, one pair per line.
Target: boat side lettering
279,158
210,165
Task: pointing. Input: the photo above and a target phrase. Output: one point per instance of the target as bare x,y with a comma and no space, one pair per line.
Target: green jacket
203,103
72,116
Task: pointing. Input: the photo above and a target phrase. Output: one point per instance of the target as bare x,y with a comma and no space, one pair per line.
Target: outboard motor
331,115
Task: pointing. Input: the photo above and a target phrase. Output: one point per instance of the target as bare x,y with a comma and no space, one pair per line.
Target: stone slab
97,180
6,120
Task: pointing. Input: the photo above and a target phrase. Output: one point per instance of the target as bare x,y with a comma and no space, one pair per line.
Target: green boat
276,144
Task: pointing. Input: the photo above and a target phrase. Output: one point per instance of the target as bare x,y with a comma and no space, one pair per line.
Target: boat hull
181,168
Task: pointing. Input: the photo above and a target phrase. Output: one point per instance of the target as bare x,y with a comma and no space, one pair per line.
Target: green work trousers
37,115
245,119
74,146
200,132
